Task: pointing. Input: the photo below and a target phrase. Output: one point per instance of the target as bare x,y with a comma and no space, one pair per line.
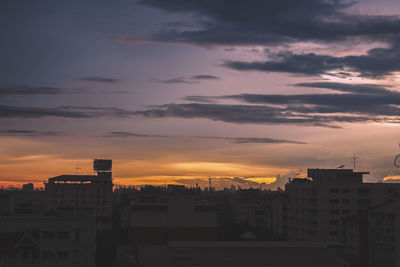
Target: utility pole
77,168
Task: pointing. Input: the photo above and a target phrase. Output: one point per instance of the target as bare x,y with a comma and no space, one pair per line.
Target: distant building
177,219
7,203
317,204
83,191
27,187
66,238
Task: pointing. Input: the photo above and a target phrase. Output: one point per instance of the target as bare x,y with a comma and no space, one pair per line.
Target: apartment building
317,204
65,238
83,191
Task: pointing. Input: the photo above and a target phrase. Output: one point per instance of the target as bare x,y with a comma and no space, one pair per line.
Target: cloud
30,90
175,80
129,134
18,132
237,140
377,63
262,22
187,80
205,77
255,114
22,90
99,79
257,140
64,112
199,99
351,103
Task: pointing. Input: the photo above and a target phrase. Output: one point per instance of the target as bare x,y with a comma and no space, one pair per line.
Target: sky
248,93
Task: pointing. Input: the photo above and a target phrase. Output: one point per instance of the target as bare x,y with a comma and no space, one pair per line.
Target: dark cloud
16,132
21,90
257,140
187,80
377,63
349,103
175,80
199,99
30,90
99,79
64,112
130,134
350,88
255,114
263,22
237,140
251,140
205,77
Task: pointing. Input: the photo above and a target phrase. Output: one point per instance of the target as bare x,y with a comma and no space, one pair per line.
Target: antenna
354,158
77,168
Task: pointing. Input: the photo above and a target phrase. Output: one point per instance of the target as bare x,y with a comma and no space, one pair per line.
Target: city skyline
177,92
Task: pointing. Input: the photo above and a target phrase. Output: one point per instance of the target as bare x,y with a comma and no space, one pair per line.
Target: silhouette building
64,238
372,236
83,191
177,219
316,205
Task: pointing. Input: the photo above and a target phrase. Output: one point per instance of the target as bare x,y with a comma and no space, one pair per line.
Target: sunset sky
247,92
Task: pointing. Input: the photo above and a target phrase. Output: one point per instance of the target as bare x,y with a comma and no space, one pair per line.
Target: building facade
82,191
317,204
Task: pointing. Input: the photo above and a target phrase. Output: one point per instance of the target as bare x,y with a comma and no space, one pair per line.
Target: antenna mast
354,158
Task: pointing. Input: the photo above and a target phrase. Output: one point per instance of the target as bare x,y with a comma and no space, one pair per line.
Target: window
333,222
334,191
77,234
364,191
346,201
345,211
334,201
63,235
63,255
47,235
332,212
25,254
47,255
334,233
36,234
75,256
346,191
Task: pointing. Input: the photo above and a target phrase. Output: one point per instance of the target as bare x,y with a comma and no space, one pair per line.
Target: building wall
316,208
81,195
180,219
63,240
